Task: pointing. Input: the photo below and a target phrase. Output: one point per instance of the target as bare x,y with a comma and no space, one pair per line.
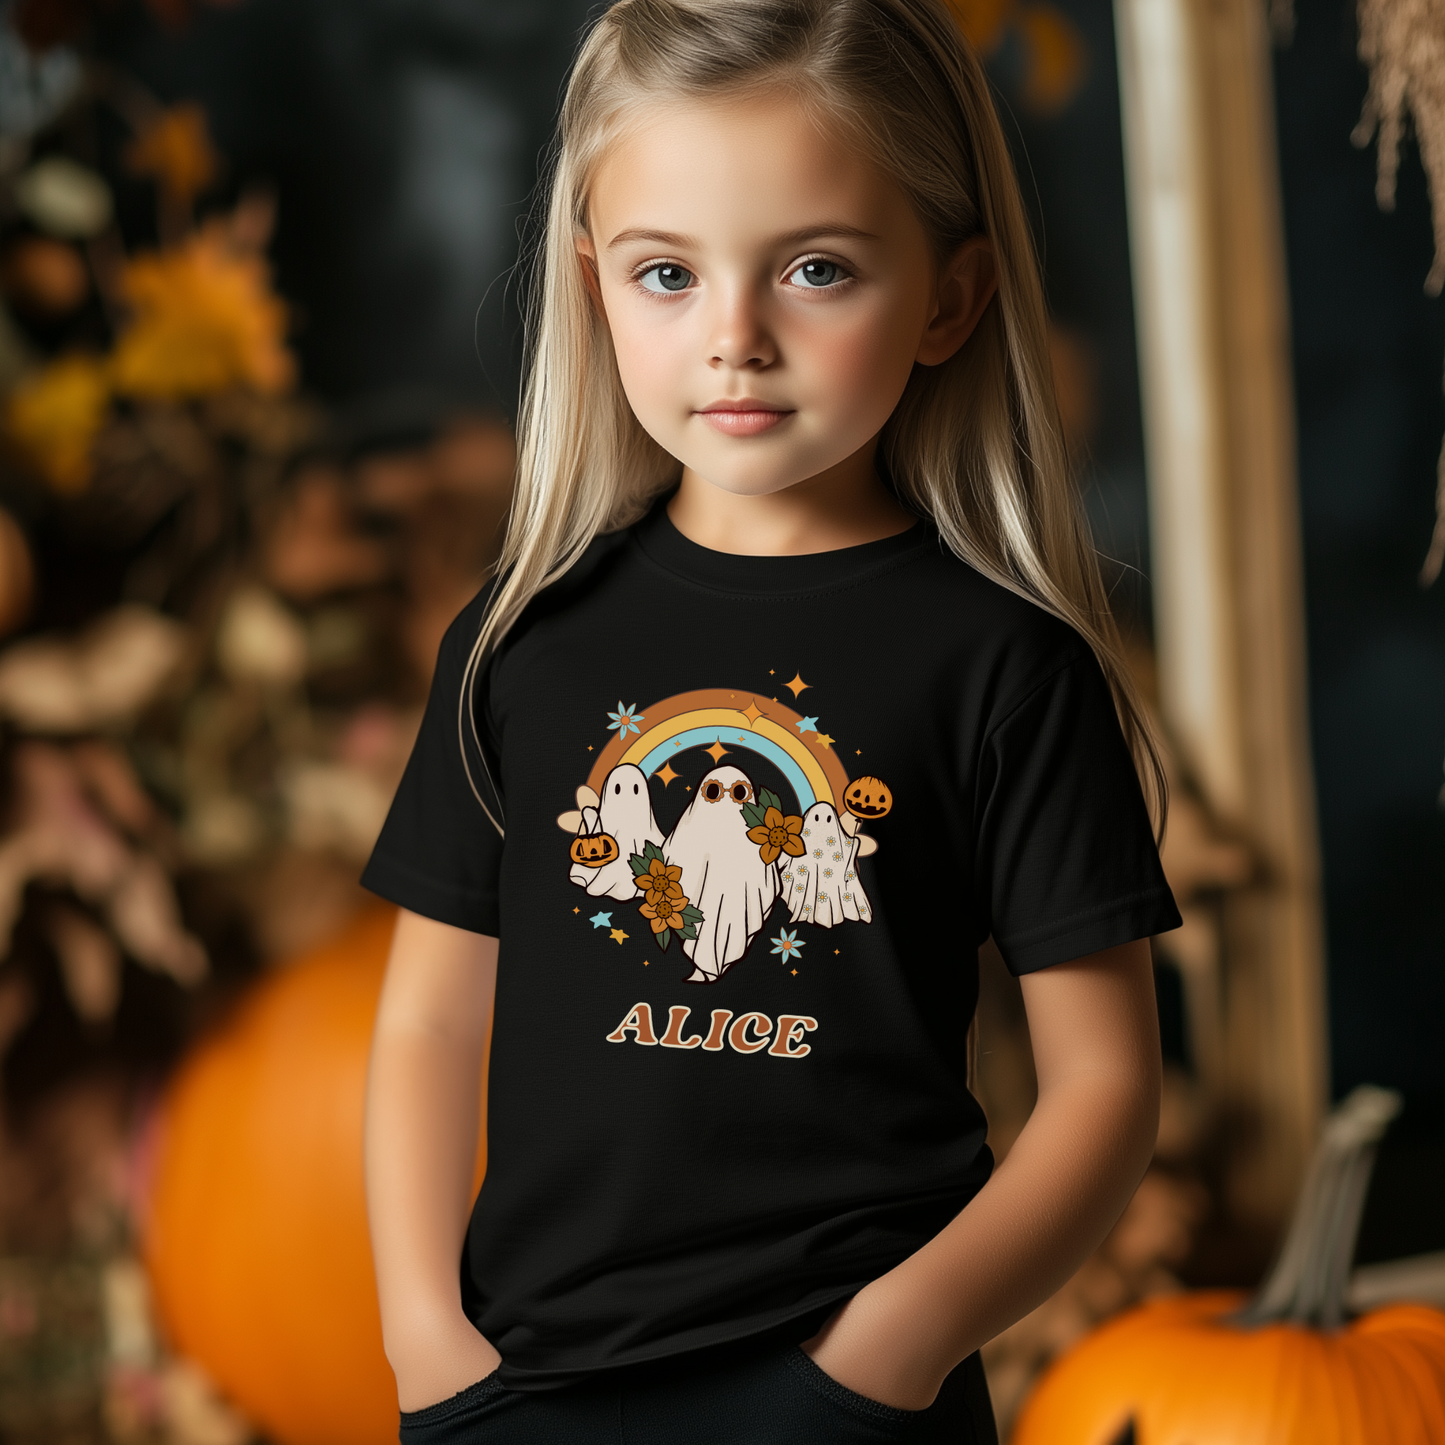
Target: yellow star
795,973
667,773
589,747
752,712
576,910
797,684
716,752
618,935
826,741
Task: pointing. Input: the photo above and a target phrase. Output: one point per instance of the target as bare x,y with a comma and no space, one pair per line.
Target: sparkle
601,920
837,950
589,747
618,936
858,752
826,741
667,773
771,672
797,684
716,752
808,725
788,944
752,712
576,910
795,973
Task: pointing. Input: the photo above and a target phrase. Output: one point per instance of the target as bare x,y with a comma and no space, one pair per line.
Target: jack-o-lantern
868,797
593,848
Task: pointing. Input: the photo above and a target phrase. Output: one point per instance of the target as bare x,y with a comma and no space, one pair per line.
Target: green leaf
689,933
754,815
637,863
770,800
650,851
663,938
693,915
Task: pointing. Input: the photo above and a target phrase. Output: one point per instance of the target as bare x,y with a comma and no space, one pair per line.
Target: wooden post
1210,289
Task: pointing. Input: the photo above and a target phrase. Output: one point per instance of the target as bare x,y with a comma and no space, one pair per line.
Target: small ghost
625,811
823,886
723,873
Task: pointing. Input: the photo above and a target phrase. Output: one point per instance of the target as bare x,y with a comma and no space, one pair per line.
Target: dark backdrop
1368,351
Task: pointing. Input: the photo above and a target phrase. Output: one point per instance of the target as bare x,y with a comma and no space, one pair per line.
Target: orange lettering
714,1040
738,1034
673,1039
791,1028
640,1022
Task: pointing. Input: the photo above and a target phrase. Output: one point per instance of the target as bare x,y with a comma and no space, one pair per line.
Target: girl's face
768,290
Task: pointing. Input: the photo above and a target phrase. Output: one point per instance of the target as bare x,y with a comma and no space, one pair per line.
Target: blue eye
665,279
817,274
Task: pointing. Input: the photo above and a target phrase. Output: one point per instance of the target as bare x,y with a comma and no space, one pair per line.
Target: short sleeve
1067,863
440,850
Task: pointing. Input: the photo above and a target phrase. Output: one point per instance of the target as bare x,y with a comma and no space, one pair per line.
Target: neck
845,506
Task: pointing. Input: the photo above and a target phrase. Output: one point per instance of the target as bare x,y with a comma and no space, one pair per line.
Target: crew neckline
659,539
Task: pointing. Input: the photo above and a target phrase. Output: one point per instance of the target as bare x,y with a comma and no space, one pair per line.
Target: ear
587,255
966,285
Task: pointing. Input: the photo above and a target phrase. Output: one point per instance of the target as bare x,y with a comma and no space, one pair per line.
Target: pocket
822,1383
433,1424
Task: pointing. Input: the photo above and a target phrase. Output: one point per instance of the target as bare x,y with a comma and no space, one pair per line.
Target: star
589,747
808,725
576,910
752,712
716,752
667,773
858,752
837,950
618,935
826,741
797,684
772,672
601,920
795,973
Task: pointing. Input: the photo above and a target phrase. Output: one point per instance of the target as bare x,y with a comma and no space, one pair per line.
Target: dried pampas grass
1403,43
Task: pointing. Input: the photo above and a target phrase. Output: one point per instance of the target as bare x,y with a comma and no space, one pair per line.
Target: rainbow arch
737,721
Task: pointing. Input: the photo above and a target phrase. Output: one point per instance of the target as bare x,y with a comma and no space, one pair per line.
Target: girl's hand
441,1361
868,1351
1094,1028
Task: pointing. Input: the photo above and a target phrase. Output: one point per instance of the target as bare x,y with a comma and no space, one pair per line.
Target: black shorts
773,1397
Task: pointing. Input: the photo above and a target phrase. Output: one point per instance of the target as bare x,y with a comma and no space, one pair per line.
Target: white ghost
823,886
723,873
625,811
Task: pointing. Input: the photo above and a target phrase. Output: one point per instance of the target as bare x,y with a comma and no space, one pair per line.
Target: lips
744,417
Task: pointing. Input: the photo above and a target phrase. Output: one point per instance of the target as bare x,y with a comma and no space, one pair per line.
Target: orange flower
177,152
53,417
662,880
205,321
665,910
777,834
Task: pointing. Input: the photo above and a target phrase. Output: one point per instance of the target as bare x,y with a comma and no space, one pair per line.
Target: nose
739,337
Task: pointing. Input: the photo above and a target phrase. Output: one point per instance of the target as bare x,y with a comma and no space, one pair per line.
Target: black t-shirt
759,814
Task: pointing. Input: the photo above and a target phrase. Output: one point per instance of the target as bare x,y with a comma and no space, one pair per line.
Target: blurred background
259,354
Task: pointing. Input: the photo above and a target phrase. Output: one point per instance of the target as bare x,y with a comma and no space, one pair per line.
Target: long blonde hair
974,444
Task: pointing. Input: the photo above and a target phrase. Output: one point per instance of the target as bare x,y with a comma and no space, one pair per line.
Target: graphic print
737,847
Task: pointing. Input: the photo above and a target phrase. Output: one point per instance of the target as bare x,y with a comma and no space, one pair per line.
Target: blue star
601,920
808,725
625,718
788,944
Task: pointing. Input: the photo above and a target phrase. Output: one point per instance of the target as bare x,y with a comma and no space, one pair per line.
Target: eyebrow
787,238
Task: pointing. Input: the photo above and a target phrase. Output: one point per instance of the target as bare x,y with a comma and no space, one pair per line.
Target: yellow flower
176,151
664,911
205,320
662,880
53,417
777,834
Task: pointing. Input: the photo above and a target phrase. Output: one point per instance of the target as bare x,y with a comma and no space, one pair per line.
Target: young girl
796,682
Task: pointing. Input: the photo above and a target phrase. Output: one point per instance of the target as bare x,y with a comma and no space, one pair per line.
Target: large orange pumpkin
256,1236
1211,1368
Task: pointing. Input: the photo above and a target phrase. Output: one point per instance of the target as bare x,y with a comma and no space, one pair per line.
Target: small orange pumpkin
1197,1369
255,1237
868,797
592,850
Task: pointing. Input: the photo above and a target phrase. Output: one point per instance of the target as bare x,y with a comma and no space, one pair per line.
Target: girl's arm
422,1118
1095,1034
